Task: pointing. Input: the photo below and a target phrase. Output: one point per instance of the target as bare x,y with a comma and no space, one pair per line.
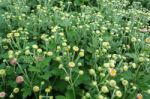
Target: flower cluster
58,49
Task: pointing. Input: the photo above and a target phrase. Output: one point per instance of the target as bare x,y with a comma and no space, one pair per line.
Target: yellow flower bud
94,83
16,90
40,97
118,94
112,72
2,72
49,53
75,48
112,83
36,89
133,39
147,40
48,90
125,82
139,96
81,72
81,53
35,46
104,89
39,50
125,68
16,34
67,78
92,72
105,44
71,64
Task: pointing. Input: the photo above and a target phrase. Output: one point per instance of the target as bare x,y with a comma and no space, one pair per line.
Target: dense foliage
145,3
79,49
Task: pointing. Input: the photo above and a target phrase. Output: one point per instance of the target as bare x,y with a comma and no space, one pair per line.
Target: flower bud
139,96
11,96
81,72
125,68
16,34
75,48
112,72
60,66
39,50
19,79
133,65
94,83
36,89
125,82
87,95
112,83
71,64
104,89
81,53
2,72
42,83
107,65
16,90
27,52
48,90
105,44
92,72
49,53
67,78
147,40
51,97
35,46
133,39
148,91
100,97
2,94
13,61
118,94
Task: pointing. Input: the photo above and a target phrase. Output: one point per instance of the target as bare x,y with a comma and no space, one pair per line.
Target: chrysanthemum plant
72,49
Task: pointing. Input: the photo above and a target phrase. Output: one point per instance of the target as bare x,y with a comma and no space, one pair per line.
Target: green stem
72,86
35,95
76,79
113,95
24,73
136,74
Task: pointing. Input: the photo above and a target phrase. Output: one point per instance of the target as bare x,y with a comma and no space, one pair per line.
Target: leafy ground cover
145,3
79,49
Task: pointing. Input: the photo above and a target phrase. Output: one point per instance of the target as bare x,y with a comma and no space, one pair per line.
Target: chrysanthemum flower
16,90
104,89
143,30
2,94
13,61
147,40
2,72
139,96
75,48
112,72
118,93
19,79
71,64
36,89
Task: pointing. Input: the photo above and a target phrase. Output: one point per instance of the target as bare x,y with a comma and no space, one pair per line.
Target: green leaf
128,75
69,94
60,97
43,63
34,69
46,75
60,85
26,92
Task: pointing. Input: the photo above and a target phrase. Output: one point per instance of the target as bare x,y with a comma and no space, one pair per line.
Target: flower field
74,49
